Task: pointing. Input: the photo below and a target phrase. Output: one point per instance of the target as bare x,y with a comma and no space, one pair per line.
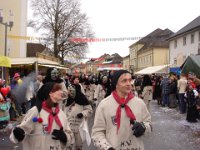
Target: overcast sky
131,18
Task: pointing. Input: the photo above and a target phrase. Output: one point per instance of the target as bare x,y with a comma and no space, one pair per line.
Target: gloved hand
111,148
59,135
79,115
19,133
138,128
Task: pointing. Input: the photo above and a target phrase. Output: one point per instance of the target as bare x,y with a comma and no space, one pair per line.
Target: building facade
185,42
151,50
126,63
15,11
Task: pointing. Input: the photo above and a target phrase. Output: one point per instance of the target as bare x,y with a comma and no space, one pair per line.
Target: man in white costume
121,118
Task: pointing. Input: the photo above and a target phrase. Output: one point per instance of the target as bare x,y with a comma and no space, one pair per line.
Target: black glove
59,135
111,148
19,133
138,128
79,115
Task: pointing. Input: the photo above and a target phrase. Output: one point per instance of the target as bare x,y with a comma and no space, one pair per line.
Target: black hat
43,93
115,78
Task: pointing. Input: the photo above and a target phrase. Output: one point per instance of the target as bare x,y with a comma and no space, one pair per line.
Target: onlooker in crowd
121,119
182,84
45,126
191,97
172,93
4,105
17,81
138,84
158,90
165,90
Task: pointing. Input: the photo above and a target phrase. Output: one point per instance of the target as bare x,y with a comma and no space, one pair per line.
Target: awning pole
36,68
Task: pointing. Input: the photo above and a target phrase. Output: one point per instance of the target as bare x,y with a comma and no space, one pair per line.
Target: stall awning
5,61
154,69
39,61
108,68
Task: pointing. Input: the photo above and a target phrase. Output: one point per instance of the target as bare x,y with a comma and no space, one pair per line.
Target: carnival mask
54,74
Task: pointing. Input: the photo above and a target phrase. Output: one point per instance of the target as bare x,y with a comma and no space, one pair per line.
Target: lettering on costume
54,147
128,142
122,144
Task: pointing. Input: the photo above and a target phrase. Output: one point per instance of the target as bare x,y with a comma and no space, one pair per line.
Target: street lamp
6,24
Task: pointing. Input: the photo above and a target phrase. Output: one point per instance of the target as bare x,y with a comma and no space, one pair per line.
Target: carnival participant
53,75
45,126
100,91
77,109
121,119
147,92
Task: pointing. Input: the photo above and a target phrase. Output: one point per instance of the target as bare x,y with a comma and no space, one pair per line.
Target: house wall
179,53
153,57
145,59
16,47
160,56
134,56
126,63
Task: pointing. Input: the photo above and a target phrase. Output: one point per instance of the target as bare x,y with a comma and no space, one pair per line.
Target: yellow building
16,11
152,50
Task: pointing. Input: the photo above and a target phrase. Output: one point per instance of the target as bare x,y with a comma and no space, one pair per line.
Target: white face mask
54,74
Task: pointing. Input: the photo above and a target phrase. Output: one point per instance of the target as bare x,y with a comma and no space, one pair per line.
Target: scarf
123,104
52,116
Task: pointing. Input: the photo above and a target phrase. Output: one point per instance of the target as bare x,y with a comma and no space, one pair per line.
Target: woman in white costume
45,126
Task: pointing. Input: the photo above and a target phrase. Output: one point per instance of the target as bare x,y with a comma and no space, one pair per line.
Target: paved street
170,132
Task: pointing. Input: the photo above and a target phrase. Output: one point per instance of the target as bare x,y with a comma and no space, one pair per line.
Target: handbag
84,132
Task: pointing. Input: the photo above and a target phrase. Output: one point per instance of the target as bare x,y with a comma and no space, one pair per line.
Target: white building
185,42
16,11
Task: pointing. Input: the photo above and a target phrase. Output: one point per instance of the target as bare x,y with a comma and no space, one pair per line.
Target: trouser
165,99
182,103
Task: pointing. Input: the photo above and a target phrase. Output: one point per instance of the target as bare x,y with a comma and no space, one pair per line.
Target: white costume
104,131
36,136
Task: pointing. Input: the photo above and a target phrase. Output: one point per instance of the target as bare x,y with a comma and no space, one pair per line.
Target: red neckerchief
123,104
52,116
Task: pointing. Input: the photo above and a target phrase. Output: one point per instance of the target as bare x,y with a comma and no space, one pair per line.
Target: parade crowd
53,107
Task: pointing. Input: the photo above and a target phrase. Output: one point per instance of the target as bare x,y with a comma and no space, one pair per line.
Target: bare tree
62,20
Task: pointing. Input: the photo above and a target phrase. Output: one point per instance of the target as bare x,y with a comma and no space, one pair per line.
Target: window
184,40
150,59
175,61
192,38
199,36
175,44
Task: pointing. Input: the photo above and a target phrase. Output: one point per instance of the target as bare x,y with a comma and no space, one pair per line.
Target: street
170,132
